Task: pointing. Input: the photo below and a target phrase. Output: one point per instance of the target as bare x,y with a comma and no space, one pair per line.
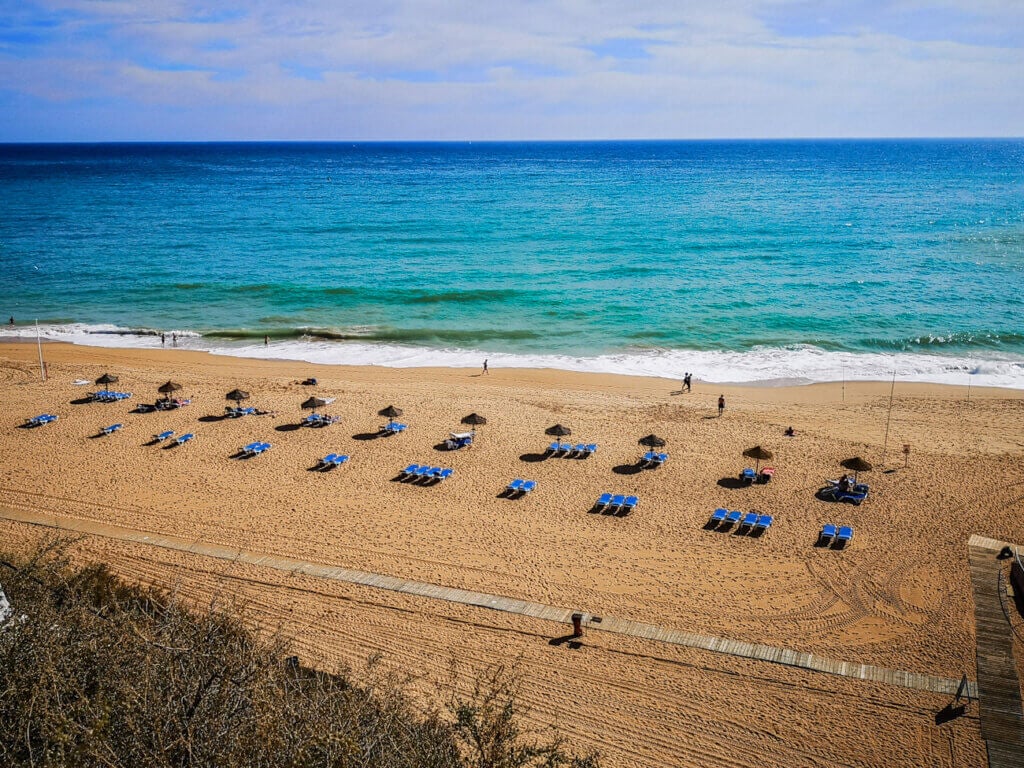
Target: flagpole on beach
39,344
888,419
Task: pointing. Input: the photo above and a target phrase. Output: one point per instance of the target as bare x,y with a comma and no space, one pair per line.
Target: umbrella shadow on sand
532,458
732,483
211,419
287,427
366,436
628,469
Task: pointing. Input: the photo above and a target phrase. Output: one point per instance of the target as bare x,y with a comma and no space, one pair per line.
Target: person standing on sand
721,405
485,368
686,381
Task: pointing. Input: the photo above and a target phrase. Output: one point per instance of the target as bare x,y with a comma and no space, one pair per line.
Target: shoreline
65,352
416,358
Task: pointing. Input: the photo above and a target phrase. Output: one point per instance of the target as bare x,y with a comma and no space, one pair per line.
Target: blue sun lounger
844,535
764,522
616,503
718,516
38,421
748,520
528,486
515,486
408,472
733,517
657,460
828,533
164,436
111,429
339,460
603,501
442,474
748,475
628,505
184,438
328,460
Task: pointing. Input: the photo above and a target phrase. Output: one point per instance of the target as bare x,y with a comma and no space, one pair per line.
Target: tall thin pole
888,419
39,344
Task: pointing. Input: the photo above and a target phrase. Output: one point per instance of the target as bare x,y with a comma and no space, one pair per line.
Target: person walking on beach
686,381
485,368
721,405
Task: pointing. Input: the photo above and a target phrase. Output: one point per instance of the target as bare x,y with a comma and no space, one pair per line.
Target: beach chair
181,439
603,501
733,517
766,475
408,472
164,436
658,460
764,522
616,503
443,474
628,505
528,486
38,421
827,534
748,520
717,517
339,460
646,459
327,461
423,472
591,449
111,429
843,536
313,420
748,475
516,486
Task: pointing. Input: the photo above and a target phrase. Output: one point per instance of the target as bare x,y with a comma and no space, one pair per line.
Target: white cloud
459,69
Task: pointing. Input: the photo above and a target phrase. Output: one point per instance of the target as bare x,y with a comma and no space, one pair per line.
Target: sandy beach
899,596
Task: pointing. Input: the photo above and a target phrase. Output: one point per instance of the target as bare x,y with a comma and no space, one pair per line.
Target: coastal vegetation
97,672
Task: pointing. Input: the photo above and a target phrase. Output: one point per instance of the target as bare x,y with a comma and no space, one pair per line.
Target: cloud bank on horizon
107,70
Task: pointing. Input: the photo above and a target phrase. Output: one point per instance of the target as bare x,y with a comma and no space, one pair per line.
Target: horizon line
95,142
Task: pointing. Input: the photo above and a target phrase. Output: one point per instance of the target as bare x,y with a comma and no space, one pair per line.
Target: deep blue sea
736,260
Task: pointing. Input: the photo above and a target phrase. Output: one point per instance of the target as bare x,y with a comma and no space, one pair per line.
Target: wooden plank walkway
755,651
999,699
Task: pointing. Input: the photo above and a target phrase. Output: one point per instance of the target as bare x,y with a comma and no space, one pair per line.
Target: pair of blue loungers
837,536
723,519
570,451
653,459
619,504
424,473
106,396
331,460
320,420
393,428
520,487
169,435
855,493
38,421
254,449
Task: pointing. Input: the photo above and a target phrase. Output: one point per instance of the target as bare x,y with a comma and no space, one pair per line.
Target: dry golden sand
900,597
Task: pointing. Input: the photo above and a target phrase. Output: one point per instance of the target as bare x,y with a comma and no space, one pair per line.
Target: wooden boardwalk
999,700
755,651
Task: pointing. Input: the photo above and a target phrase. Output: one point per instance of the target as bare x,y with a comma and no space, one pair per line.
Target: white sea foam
799,364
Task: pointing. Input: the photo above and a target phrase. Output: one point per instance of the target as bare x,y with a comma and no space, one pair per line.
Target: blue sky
109,70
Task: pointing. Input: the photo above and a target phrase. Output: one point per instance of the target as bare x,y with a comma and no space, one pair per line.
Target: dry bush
98,673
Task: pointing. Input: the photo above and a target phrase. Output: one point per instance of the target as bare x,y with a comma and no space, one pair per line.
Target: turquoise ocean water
737,260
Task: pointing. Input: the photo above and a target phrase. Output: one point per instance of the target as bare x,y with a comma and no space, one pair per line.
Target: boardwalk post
577,625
